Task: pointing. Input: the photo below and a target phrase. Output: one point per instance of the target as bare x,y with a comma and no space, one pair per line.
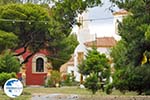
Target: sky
103,23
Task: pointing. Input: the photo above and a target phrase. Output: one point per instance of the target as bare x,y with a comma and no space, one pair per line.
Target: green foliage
147,92
69,81
34,33
130,73
108,88
119,80
92,83
39,27
64,13
63,17
133,29
4,2
139,81
31,35
64,49
147,33
133,79
55,76
118,53
49,83
54,79
9,63
7,40
89,3
5,76
98,64
95,62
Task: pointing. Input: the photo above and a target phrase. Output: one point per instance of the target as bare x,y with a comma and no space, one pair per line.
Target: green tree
25,23
92,83
4,2
134,31
38,26
147,33
118,53
133,79
65,48
133,28
9,63
7,40
63,17
96,63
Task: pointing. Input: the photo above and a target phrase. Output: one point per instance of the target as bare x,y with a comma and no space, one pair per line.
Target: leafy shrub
5,76
9,63
69,81
108,88
50,83
54,79
92,83
133,79
147,92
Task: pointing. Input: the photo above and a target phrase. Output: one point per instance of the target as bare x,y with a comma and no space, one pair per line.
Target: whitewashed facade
86,39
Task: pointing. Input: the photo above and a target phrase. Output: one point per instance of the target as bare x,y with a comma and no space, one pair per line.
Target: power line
16,20
32,21
58,59
106,18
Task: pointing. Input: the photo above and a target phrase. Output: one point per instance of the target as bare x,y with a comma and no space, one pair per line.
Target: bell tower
83,31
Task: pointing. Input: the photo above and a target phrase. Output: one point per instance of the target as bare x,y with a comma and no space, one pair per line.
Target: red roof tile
102,42
121,12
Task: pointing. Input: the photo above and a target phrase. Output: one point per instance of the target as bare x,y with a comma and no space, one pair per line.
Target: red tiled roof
102,42
121,12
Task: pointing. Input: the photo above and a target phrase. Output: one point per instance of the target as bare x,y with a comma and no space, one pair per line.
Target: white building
86,41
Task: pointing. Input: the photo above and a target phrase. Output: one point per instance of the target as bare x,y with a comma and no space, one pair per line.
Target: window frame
34,59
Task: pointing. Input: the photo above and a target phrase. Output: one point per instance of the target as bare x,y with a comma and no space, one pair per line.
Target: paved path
55,97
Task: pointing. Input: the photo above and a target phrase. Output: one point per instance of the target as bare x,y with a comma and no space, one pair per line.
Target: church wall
30,77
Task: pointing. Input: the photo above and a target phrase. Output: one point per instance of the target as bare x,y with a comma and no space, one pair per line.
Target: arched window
39,65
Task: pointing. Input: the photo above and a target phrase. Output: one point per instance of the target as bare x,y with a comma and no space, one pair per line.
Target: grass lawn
83,93
26,96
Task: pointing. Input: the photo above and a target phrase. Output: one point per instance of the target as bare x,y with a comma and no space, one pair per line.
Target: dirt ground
116,98
55,97
78,97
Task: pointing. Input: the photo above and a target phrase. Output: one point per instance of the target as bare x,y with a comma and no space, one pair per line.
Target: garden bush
92,83
9,63
53,79
108,88
5,76
69,81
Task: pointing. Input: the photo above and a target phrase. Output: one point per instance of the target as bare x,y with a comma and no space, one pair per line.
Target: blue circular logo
13,88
